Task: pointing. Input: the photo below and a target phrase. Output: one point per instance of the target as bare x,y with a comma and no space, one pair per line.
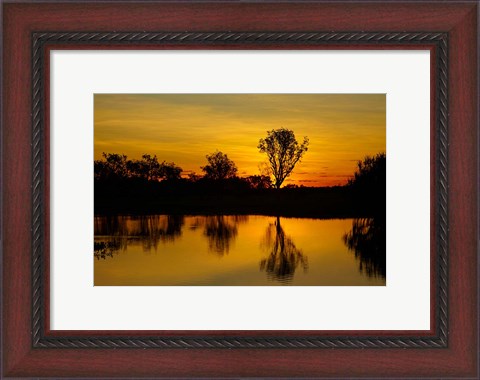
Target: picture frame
449,30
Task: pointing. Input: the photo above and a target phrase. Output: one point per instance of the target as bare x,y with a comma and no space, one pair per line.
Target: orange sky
183,128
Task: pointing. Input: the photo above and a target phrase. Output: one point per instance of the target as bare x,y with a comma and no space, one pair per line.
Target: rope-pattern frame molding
209,39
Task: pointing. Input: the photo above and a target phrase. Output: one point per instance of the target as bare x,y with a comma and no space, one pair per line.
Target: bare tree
283,152
219,166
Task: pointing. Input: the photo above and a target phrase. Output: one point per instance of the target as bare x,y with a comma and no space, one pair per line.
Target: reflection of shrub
104,249
367,240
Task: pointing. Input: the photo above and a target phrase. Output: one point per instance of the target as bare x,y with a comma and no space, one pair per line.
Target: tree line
114,168
150,185
281,147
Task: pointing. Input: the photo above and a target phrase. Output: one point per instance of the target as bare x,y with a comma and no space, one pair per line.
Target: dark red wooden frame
458,19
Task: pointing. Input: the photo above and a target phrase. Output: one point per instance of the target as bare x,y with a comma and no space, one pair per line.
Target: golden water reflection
284,256
237,250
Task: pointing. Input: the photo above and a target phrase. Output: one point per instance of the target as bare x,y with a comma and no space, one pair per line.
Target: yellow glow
183,128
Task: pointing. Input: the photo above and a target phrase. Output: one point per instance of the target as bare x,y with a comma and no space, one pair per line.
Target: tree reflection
112,225
284,257
221,231
149,230
367,239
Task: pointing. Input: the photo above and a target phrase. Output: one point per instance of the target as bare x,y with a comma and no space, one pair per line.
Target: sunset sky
183,128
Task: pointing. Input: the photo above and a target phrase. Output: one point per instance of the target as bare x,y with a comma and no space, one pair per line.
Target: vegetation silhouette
148,186
219,167
369,183
259,182
283,152
367,240
284,257
116,167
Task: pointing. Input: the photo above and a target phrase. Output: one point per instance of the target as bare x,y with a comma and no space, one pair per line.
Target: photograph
235,165
239,189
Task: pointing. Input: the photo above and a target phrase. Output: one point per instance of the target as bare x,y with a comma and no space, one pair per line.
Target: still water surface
237,250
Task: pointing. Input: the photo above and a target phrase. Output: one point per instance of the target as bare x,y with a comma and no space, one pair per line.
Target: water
237,250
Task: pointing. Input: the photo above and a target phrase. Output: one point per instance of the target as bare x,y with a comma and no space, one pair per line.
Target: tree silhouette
118,167
369,184
219,166
149,168
283,152
371,172
114,166
170,171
